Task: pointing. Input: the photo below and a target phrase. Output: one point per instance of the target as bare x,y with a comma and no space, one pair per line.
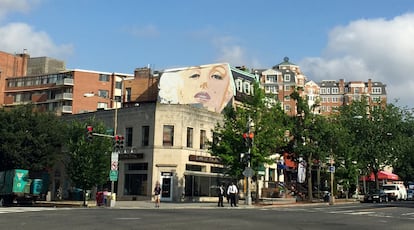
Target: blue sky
349,39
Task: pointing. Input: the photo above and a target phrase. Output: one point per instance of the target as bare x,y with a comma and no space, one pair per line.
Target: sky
354,40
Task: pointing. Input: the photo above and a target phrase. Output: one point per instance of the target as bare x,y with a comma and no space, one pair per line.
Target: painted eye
196,75
217,77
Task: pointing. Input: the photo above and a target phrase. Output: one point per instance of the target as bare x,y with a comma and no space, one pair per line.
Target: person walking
221,193
232,192
157,194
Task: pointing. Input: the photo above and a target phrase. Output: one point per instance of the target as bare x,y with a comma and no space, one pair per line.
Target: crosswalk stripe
25,209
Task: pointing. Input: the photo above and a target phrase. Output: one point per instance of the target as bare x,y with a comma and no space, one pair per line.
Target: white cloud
377,49
229,51
15,37
8,6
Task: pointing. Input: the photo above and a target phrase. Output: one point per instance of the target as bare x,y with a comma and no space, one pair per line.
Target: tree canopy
30,139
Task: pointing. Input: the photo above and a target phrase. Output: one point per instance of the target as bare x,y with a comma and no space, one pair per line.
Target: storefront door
166,186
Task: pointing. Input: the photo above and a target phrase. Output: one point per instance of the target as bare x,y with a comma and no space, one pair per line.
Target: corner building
167,140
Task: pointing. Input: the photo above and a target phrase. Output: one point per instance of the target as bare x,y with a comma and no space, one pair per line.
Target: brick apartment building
47,84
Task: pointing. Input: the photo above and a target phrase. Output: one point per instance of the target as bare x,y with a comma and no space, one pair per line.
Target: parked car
395,191
410,194
376,196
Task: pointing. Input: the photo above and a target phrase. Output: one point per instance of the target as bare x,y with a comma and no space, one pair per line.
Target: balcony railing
66,109
66,81
64,96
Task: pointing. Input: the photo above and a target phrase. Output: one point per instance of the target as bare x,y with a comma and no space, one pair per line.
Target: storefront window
203,185
135,184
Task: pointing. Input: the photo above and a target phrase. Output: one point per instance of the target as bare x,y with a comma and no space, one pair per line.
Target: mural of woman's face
207,85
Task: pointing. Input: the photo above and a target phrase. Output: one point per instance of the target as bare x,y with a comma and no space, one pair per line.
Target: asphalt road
396,215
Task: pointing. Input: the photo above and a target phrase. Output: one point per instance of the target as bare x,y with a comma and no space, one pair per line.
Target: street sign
110,132
113,175
331,169
248,172
114,160
114,165
261,170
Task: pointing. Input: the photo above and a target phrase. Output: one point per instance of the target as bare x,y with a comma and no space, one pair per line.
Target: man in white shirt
232,192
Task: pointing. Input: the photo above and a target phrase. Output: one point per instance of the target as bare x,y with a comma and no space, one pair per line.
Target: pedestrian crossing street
5,210
355,211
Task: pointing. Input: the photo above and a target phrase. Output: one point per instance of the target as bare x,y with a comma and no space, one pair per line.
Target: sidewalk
285,202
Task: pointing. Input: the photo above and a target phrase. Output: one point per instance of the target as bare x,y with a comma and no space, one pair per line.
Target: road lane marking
361,213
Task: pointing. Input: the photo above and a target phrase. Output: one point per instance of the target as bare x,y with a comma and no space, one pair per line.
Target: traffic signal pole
116,152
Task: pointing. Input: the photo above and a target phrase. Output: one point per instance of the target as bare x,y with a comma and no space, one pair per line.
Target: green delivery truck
16,187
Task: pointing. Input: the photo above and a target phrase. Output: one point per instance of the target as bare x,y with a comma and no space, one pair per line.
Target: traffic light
89,132
121,142
248,139
117,141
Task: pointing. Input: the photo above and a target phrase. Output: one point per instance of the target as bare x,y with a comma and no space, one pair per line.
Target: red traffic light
248,135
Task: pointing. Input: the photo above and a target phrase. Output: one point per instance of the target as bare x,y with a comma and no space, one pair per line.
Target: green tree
314,138
270,123
376,131
404,162
88,162
30,139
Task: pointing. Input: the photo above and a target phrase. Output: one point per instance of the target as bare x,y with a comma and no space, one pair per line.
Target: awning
382,175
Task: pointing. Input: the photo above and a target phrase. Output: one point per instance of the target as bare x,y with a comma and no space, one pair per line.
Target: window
168,135
128,94
203,185
287,77
203,139
287,107
376,99
246,88
137,166
102,105
135,184
195,168
103,93
104,77
128,136
335,90
239,84
271,78
376,90
217,170
271,89
323,90
118,85
145,135
189,137
287,87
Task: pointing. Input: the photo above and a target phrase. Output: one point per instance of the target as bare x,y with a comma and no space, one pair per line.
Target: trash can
99,198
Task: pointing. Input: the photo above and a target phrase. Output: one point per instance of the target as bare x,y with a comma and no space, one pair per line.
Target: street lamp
332,170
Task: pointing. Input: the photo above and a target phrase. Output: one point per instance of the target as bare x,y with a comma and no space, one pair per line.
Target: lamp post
332,170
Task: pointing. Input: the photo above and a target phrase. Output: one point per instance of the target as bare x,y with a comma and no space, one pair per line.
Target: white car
395,191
